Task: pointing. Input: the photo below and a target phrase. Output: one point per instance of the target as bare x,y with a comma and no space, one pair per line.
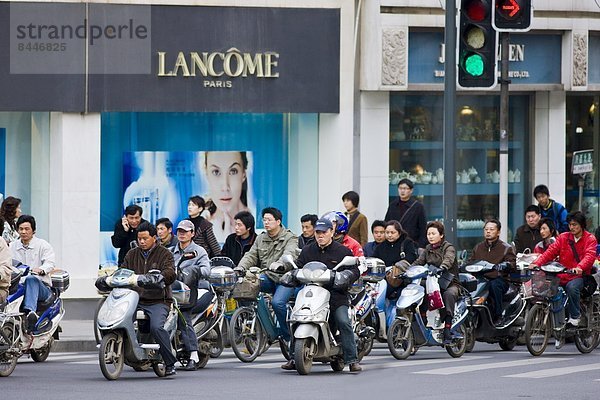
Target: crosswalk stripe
479,367
551,372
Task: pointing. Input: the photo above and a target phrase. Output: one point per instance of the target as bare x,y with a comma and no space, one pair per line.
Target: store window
583,133
25,163
239,161
416,152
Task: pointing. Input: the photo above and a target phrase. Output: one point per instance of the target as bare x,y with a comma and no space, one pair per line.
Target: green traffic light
474,64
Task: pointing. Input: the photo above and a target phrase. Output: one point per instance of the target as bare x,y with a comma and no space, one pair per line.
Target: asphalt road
486,373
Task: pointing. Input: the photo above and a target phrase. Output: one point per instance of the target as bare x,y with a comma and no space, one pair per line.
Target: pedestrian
378,231
203,231
409,212
528,234
357,223
551,208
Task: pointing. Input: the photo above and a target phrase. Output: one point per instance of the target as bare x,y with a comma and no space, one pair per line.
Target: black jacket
234,249
302,241
390,253
411,215
205,237
526,238
122,240
330,256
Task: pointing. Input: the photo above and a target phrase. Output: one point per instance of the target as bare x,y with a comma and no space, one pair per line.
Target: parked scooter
313,338
409,330
480,325
118,322
15,340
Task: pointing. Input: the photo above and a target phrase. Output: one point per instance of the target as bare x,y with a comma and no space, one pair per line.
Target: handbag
391,276
434,294
589,282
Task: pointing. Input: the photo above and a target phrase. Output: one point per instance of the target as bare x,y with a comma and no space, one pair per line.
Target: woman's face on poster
226,175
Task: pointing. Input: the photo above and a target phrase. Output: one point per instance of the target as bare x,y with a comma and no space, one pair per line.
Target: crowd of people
404,239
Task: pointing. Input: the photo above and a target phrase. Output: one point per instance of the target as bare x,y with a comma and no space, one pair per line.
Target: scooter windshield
314,272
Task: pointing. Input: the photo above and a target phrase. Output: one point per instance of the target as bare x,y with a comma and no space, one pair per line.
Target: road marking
551,372
479,367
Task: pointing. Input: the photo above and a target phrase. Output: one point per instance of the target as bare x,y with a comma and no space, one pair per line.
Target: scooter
362,300
38,342
481,325
409,330
119,320
313,338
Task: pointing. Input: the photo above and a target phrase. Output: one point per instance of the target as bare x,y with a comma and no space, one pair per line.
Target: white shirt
37,254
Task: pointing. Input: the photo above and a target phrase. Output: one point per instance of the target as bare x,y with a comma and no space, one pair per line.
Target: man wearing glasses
266,253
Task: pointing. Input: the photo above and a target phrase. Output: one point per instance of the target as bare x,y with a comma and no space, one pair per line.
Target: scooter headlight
110,315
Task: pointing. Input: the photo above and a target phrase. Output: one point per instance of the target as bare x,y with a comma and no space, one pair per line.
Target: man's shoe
355,367
573,321
190,366
559,343
32,319
289,366
498,321
447,336
170,370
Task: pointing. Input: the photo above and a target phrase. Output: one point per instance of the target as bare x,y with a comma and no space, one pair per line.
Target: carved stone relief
580,59
394,57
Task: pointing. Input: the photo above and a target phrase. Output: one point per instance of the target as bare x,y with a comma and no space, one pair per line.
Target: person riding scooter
192,265
330,253
154,302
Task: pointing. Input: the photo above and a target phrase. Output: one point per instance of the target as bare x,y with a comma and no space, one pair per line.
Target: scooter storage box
60,280
181,293
222,278
468,281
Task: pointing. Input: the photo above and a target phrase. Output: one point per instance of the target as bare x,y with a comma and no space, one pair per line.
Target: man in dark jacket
528,234
330,253
409,212
125,235
239,242
495,251
550,208
154,301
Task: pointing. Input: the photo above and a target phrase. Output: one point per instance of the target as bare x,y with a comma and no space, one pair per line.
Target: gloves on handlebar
502,266
289,279
154,281
343,280
102,285
277,267
239,271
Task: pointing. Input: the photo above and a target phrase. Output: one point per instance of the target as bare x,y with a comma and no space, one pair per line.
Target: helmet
342,223
339,219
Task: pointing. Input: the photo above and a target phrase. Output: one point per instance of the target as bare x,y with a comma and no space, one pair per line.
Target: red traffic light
512,15
476,10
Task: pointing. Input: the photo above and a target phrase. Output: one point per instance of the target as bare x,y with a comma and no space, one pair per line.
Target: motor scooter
409,330
119,320
308,320
481,326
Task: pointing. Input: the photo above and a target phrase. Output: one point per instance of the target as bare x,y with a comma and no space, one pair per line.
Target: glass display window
416,153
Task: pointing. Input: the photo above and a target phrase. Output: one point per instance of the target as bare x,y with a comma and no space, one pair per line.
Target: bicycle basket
247,289
544,285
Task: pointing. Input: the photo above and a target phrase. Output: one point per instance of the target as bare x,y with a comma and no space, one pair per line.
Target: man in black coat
324,249
124,237
528,234
409,212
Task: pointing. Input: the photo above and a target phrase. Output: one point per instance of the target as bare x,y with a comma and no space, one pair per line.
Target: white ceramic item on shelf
477,179
434,180
426,178
464,177
440,175
511,176
394,178
495,176
517,175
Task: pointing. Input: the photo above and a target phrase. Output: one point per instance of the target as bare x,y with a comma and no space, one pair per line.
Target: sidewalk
77,335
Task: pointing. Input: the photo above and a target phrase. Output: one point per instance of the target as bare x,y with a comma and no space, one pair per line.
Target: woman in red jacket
576,251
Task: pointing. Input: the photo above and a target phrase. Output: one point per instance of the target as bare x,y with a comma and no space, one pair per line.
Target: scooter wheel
41,355
304,350
111,356
8,362
400,339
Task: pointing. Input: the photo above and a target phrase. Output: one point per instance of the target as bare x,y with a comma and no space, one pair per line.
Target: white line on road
551,372
479,367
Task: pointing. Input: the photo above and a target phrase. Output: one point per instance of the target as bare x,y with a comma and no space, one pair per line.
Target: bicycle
10,335
253,326
547,315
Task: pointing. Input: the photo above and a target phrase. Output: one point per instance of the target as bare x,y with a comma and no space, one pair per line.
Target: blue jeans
281,295
574,294
35,291
341,322
188,334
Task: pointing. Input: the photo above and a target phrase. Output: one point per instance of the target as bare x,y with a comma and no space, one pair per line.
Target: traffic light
512,15
477,46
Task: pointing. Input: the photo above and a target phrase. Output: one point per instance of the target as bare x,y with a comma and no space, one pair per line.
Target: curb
72,346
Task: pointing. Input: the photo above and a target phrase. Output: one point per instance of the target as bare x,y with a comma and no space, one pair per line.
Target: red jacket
357,249
586,249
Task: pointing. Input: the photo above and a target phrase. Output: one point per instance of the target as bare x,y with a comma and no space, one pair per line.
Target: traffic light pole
504,82
449,199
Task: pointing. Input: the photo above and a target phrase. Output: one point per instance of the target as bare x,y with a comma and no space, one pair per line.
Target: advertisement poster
161,183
